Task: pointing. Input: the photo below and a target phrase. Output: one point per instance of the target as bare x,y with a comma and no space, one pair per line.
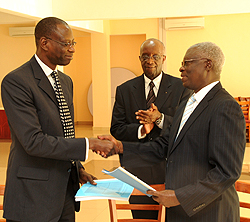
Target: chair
113,207
241,98
244,104
2,187
244,187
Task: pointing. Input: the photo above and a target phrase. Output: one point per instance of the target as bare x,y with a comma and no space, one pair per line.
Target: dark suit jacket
130,97
39,162
205,160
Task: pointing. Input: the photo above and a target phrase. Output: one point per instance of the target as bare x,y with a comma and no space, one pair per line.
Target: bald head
153,42
152,57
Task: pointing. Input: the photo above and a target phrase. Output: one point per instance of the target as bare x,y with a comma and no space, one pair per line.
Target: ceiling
6,18
18,20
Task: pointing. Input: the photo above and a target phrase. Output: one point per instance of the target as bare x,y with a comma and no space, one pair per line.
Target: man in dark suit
131,98
204,154
44,170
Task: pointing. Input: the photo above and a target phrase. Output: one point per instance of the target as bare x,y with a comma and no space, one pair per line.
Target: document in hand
127,177
105,189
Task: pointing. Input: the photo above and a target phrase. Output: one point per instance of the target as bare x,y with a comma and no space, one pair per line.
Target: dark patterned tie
151,95
67,123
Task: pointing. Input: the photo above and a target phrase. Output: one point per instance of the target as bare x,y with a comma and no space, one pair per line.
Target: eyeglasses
65,44
154,57
185,62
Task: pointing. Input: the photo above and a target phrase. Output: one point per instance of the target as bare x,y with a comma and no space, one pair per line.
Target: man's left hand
148,116
165,197
84,177
146,129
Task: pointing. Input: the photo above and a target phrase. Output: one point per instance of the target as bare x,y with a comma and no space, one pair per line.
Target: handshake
106,146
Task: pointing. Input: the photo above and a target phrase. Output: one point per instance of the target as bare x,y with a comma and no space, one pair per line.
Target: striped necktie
151,95
67,123
187,112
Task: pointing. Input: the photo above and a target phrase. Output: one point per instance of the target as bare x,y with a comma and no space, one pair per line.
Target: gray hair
212,52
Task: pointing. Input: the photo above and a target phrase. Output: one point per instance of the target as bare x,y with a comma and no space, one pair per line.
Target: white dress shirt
199,97
47,70
157,82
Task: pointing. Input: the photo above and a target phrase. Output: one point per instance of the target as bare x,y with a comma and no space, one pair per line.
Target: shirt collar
157,81
204,91
47,70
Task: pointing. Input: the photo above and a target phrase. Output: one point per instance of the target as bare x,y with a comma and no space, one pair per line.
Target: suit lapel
164,91
138,92
42,80
175,124
199,109
196,113
65,87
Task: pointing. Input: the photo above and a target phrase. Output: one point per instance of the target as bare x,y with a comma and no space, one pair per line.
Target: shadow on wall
118,76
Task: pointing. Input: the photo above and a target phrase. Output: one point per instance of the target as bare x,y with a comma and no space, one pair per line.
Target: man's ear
209,64
164,58
43,43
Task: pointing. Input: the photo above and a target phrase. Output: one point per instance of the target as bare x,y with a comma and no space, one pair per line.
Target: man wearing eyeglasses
133,120
204,147
44,170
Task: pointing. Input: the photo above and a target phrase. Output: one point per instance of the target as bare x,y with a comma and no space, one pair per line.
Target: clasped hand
148,116
105,145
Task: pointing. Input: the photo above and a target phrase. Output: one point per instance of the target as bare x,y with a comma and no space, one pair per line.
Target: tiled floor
97,210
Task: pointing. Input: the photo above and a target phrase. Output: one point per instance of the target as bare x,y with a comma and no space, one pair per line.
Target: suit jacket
39,163
205,160
130,97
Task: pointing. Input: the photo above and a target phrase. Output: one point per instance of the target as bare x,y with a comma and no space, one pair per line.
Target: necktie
187,112
67,123
151,95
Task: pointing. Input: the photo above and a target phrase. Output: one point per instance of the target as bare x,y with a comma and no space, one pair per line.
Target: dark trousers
68,213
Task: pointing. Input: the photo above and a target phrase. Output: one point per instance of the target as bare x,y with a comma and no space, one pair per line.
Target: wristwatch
158,121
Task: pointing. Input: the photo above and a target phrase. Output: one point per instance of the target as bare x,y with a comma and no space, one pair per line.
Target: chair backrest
245,108
244,98
2,187
113,207
243,186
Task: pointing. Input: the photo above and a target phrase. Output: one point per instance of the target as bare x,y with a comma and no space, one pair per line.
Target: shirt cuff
139,133
160,125
87,148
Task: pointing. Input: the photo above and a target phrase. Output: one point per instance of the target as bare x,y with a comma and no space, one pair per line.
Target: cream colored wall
131,9
232,34
125,51
18,50
135,27
81,73
101,87
14,51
